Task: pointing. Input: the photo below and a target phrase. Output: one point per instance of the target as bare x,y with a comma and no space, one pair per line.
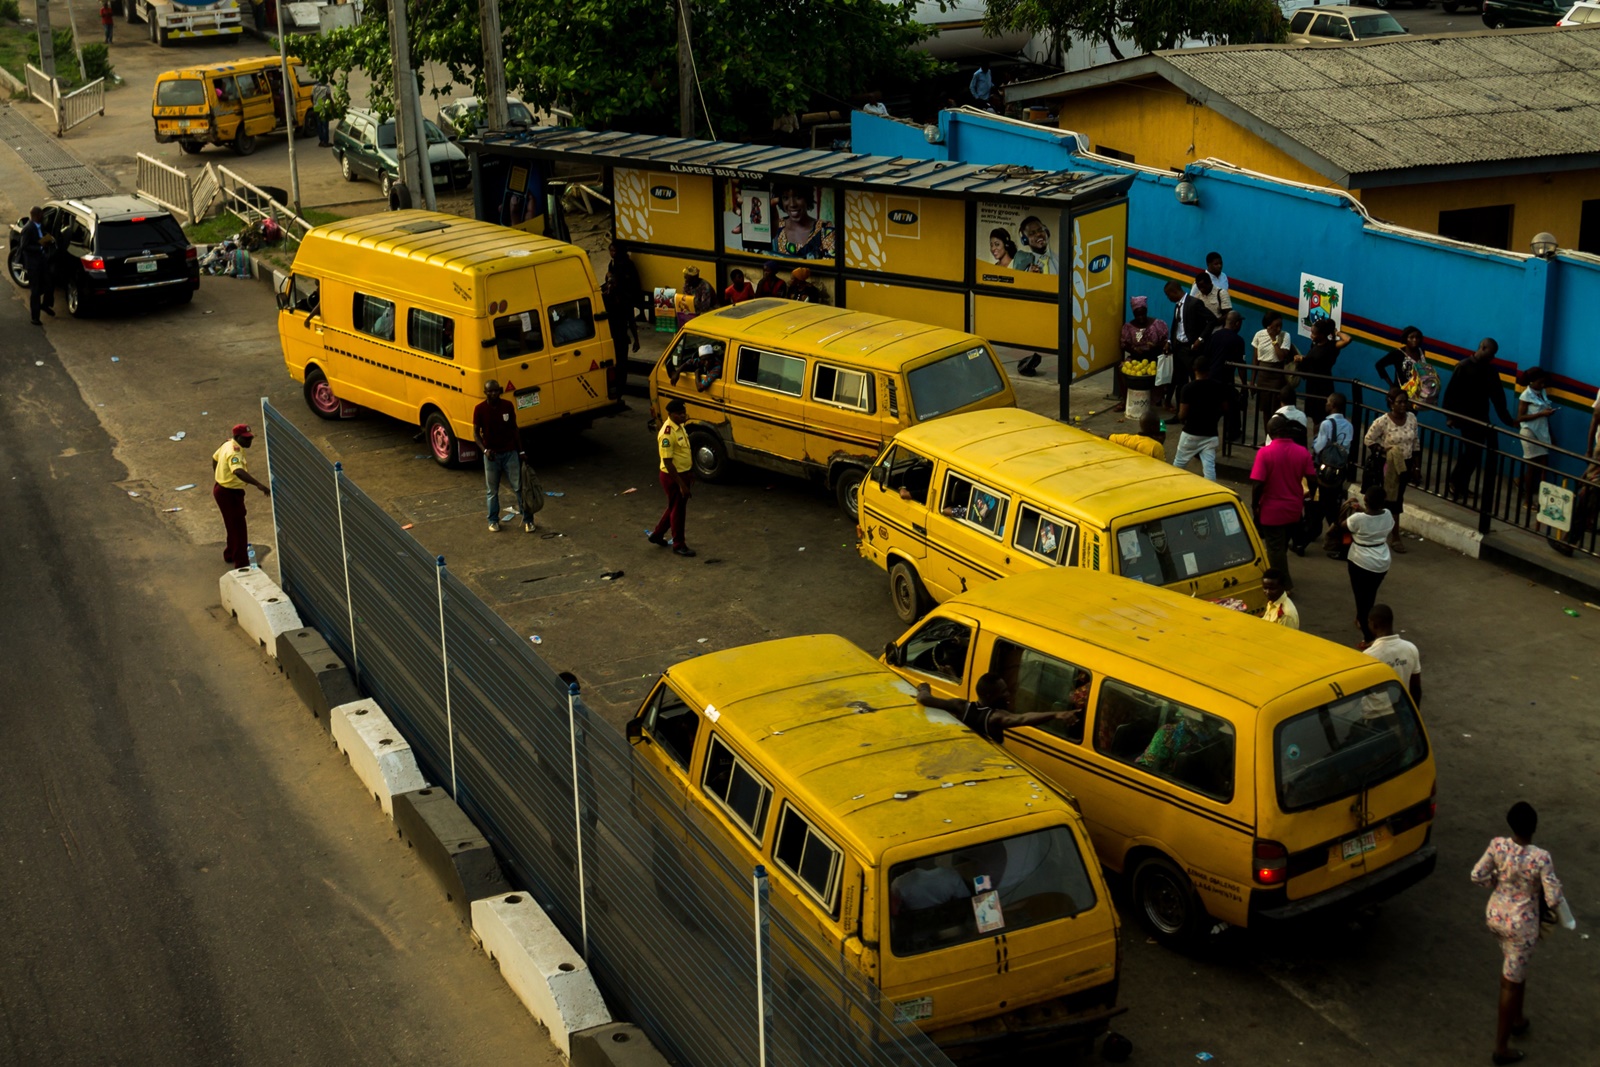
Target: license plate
147,267
1351,847
527,400
184,124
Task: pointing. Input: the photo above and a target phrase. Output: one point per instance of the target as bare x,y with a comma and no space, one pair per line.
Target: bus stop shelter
1025,258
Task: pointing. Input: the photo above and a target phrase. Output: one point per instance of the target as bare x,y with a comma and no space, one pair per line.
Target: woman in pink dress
1519,874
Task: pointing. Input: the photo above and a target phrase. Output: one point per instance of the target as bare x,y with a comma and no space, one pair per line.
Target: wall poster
1320,299
1018,247
779,219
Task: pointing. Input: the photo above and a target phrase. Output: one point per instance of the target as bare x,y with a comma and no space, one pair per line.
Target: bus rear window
518,334
953,382
1183,546
182,92
1347,745
977,892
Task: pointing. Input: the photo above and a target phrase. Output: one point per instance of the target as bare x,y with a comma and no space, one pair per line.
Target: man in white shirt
1219,300
1388,647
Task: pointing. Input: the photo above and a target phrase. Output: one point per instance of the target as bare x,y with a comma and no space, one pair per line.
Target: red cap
242,430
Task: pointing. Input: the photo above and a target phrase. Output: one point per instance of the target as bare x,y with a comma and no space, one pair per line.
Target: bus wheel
319,395
709,456
1167,903
847,487
906,590
243,143
191,146
441,439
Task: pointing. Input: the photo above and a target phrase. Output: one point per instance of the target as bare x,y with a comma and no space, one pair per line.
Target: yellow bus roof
1057,463
875,341
854,747
444,242
203,69
1204,643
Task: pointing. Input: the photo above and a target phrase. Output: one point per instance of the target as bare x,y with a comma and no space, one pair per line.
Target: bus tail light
1271,863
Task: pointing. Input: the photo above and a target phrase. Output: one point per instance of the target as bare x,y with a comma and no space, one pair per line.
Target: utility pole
685,73
291,97
494,69
47,43
411,153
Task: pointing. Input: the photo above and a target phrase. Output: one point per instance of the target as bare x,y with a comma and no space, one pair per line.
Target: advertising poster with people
513,194
783,219
1018,247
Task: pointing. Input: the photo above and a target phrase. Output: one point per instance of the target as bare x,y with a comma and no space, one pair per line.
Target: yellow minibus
902,842
957,502
409,313
815,391
230,104
1233,769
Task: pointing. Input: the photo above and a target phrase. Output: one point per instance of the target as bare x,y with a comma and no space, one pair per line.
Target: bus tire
243,143
847,487
441,439
1167,904
191,146
907,593
708,454
319,395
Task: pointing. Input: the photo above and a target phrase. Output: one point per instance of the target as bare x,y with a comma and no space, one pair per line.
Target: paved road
192,874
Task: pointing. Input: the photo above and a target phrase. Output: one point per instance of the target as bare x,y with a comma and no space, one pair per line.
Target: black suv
110,248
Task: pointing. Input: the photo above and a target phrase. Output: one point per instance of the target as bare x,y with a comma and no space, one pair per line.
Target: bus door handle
917,528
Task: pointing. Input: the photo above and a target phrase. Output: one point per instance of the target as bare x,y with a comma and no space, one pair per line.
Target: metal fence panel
82,104
167,186
664,912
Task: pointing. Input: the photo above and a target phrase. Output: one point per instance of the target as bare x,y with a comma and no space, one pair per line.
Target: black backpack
1333,462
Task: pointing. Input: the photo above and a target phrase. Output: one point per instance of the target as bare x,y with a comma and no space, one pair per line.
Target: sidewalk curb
552,981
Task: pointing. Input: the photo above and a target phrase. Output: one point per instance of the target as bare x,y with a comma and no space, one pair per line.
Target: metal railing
676,927
1462,459
251,202
73,108
167,186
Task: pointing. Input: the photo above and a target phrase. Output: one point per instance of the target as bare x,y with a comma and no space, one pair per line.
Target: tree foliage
613,63
1151,25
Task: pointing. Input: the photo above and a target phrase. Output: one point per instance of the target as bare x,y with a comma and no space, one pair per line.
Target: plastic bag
1164,369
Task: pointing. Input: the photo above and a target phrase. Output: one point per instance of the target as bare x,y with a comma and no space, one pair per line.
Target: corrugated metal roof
728,159
1417,101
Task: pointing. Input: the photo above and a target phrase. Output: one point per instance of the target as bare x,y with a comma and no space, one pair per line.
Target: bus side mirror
284,288
879,475
893,655
634,731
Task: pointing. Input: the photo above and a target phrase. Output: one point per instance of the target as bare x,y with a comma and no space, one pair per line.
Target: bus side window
1043,683
374,316
673,724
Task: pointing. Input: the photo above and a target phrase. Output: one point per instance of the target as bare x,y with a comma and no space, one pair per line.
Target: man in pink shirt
1277,492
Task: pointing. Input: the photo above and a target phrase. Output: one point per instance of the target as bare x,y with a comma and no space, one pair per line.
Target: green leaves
1150,24
615,62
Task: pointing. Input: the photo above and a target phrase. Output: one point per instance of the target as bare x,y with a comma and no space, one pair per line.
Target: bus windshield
1347,745
181,92
1183,546
955,381
978,891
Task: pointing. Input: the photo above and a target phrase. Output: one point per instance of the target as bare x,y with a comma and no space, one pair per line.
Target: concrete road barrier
542,969
450,847
316,672
381,758
614,1045
262,609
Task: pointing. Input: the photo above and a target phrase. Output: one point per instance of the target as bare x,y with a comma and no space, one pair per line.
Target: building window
1589,225
1113,153
1488,226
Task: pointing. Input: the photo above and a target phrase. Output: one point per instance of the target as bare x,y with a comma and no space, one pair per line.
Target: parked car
111,249
365,145
1581,14
468,115
1341,22
1498,14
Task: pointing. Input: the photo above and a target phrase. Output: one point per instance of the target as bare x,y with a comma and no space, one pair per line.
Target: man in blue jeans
494,424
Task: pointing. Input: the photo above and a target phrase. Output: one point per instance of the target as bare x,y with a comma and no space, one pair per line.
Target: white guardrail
167,186
71,109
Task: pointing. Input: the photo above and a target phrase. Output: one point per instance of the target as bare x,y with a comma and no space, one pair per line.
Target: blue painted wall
1270,231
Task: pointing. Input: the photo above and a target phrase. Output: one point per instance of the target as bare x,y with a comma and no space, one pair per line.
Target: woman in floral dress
1518,873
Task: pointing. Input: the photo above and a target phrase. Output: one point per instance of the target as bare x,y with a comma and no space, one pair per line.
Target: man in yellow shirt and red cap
230,475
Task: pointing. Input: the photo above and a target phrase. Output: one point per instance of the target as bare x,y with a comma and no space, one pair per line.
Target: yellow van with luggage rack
1232,769
958,502
815,391
908,847
409,313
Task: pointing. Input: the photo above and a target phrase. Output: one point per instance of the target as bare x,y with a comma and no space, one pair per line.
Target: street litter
702,640
116,359
536,639
38,363
548,492
132,493
1569,611
181,488
625,492
169,511
802,548
610,576
180,435
1204,1057
408,526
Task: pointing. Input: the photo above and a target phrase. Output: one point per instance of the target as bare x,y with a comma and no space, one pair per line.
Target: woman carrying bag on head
1524,883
